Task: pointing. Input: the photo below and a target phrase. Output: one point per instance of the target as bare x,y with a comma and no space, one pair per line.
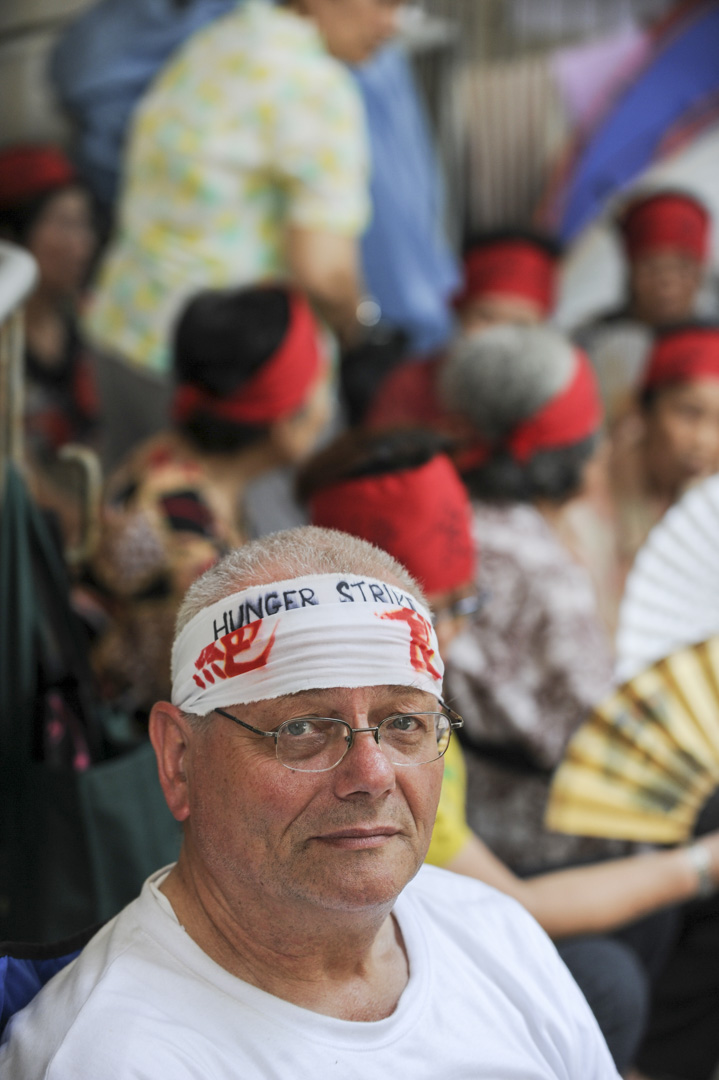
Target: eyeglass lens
316,744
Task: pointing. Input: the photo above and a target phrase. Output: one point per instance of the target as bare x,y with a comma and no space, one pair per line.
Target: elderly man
289,940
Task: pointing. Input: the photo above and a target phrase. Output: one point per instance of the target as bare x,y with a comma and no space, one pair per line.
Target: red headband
510,268
682,356
572,415
28,171
420,516
277,390
666,222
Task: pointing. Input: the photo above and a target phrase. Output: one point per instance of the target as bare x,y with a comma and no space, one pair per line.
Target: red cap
667,221
682,355
277,390
421,516
569,417
510,267
29,171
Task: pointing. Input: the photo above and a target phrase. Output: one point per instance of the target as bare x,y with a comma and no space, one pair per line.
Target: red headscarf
277,390
683,355
570,416
510,267
421,516
667,221
29,171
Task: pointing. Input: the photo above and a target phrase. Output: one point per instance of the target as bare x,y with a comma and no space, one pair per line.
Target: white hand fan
672,595
646,760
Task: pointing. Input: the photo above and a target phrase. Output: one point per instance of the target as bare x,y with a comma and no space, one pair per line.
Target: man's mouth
359,838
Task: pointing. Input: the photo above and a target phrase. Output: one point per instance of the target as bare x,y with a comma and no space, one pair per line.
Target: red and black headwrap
572,415
513,267
666,221
276,390
29,171
683,354
420,515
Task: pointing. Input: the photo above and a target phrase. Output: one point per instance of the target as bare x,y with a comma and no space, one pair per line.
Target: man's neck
352,966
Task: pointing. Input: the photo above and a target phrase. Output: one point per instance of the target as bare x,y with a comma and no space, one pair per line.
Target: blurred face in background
451,611
352,29
664,286
63,240
682,434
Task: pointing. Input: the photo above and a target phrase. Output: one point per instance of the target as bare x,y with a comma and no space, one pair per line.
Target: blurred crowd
208,328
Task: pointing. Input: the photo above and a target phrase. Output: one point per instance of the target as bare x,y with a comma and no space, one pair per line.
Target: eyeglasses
319,743
462,608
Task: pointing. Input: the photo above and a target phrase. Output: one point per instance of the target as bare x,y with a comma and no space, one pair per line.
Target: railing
18,275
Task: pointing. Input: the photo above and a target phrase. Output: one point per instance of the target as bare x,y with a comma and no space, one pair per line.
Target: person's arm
593,899
325,266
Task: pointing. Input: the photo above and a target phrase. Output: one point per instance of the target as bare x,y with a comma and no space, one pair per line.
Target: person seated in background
675,441
525,404
45,208
252,392
509,276
246,162
400,491
665,237
290,938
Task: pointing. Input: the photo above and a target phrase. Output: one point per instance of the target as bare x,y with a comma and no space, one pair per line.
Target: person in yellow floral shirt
247,161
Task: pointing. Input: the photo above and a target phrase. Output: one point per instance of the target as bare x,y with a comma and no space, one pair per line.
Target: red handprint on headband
421,652
219,658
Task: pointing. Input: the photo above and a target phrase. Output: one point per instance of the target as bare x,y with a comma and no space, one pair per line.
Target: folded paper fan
672,594
647,759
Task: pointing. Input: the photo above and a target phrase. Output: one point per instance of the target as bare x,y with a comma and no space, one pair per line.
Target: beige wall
27,30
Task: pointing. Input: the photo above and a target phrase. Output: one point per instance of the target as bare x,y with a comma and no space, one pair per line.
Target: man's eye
299,727
407,722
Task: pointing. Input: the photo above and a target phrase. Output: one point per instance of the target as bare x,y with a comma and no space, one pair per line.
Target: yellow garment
251,128
451,831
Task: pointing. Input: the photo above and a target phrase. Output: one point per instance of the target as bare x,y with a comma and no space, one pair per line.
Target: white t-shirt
487,997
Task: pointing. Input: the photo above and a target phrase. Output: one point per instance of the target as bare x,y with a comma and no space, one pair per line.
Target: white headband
306,633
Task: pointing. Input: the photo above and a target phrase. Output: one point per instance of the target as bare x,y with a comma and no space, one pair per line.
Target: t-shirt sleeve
321,151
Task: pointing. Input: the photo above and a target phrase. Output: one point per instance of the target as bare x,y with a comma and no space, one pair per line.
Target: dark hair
223,336
369,453
217,435
16,222
549,474
221,339
546,242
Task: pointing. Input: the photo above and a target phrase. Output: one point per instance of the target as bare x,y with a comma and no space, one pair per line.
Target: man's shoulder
480,911
107,988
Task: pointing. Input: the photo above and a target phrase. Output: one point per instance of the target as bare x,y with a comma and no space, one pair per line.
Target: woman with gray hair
535,658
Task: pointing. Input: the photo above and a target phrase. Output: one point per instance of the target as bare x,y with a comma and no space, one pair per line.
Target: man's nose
365,767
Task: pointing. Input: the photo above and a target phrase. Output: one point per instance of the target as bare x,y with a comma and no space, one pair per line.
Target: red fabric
277,390
420,516
572,415
666,222
510,268
28,171
408,396
682,356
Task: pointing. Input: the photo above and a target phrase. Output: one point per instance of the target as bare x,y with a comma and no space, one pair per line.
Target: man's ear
170,736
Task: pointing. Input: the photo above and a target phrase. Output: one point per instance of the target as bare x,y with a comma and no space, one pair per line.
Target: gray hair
499,376
290,554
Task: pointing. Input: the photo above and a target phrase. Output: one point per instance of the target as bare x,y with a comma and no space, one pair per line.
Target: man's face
664,287
682,443
346,839
354,29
